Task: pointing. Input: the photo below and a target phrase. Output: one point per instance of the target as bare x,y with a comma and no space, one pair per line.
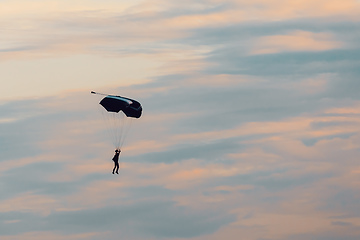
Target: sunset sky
250,127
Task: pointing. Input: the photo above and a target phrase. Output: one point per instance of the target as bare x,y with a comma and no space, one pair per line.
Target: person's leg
114,167
117,167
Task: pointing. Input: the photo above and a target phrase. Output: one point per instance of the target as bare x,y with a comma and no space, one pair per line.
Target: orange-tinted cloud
296,41
29,202
276,10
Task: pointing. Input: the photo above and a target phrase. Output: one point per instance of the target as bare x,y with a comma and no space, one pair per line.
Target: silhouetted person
116,161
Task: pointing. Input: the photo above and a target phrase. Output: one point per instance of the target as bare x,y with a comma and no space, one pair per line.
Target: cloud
339,223
297,41
285,10
94,28
48,235
233,61
204,151
230,144
41,7
151,218
255,164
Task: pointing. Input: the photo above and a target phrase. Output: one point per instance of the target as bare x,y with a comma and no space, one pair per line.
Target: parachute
118,113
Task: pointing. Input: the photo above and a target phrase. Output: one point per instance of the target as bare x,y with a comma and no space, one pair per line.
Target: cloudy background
250,127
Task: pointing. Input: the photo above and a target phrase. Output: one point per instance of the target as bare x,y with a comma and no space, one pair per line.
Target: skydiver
116,160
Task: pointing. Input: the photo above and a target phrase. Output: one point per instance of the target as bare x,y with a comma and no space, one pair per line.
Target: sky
250,124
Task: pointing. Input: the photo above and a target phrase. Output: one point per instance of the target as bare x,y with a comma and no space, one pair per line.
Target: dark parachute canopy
118,113
130,107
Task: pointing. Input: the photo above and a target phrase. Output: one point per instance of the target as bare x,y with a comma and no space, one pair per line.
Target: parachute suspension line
118,126
128,123
112,126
